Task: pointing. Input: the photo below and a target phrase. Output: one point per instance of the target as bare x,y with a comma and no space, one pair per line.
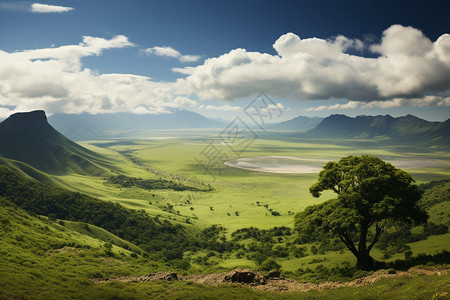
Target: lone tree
370,193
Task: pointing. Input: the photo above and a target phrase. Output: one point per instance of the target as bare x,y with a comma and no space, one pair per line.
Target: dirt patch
166,276
65,249
275,282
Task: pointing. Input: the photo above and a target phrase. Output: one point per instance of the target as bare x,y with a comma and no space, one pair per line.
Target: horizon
218,118
309,59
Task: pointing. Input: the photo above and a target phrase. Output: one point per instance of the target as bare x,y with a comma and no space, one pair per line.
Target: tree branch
378,230
348,242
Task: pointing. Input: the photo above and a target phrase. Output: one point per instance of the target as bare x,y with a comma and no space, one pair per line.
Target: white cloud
409,66
163,51
170,52
410,70
276,106
189,58
183,102
185,70
45,8
348,105
225,107
430,100
54,79
397,102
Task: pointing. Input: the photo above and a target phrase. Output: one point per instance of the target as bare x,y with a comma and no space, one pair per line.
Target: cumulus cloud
170,52
45,8
54,79
410,70
276,106
409,65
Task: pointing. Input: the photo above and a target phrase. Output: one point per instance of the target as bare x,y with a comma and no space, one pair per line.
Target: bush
269,264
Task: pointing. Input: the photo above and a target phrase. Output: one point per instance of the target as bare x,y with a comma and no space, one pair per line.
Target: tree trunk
365,261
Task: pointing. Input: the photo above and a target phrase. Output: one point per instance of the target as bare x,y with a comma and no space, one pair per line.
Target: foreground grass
422,287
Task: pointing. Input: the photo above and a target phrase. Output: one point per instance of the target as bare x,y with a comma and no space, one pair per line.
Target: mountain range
87,126
407,128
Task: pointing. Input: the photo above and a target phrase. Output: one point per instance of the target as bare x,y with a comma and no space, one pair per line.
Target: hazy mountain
87,126
407,127
27,137
300,123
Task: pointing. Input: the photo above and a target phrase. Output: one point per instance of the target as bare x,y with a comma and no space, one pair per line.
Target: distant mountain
28,138
300,124
87,126
407,127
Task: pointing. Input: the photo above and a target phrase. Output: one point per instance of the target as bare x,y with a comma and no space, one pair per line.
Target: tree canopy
370,192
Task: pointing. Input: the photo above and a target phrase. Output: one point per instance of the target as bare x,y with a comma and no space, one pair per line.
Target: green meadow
240,198
244,198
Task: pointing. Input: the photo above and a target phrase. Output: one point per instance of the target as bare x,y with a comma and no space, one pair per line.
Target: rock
274,274
171,276
245,276
167,276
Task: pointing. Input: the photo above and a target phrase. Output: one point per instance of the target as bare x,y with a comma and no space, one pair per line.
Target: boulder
245,276
274,274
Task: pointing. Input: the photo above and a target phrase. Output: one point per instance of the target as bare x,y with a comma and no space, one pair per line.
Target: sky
311,58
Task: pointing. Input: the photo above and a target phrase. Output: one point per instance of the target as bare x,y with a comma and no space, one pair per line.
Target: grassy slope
40,257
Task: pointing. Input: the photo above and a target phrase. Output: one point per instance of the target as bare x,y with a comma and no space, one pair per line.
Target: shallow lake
278,164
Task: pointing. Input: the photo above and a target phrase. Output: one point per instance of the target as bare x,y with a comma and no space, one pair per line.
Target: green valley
157,202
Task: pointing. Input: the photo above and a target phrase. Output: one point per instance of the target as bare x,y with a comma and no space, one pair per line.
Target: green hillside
135,226
47,259
27,137
27,171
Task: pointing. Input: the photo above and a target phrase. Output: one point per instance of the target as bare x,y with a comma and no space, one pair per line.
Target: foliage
435,192
261,235
153,184
370,192
269,265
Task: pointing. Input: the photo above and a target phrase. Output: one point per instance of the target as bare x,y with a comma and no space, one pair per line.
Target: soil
275,282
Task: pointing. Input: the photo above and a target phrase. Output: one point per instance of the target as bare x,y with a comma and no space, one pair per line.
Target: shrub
269,264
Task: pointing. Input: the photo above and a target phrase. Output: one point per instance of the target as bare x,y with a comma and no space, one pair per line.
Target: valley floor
43,257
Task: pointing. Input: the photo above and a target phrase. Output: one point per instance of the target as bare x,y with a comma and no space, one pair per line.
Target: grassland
236,190
243,198
240,198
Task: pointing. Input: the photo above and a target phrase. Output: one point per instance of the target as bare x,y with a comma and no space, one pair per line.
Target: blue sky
213,57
